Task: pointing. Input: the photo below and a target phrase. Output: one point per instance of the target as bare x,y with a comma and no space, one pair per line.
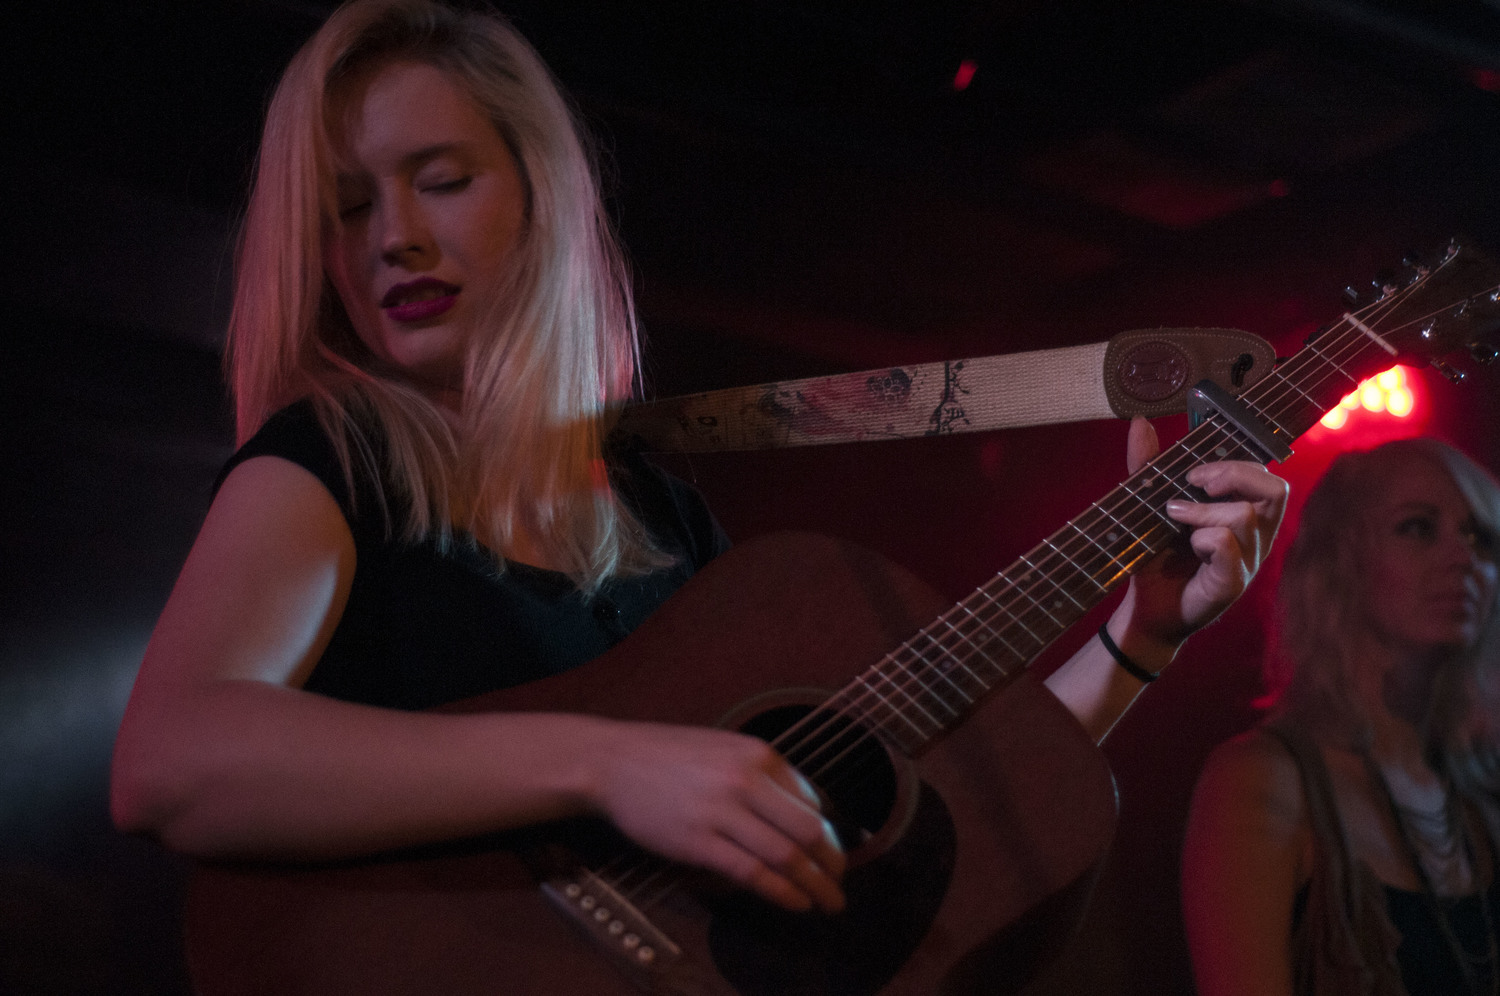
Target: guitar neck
930,683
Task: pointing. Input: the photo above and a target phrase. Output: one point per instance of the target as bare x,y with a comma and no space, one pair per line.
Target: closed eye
448,186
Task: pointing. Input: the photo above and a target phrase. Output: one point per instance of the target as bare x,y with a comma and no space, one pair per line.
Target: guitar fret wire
946,674
992,637
1075,565
1032,569
905,671
912,674
1015,619
946,654
1106,513
961,663
1095,548
989,629
907,647
1012,606
1295,387
952,656
897,710
1170,524
1356,346
1314,351
1337,366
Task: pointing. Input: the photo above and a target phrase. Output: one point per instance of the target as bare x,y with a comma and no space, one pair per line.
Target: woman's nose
403,230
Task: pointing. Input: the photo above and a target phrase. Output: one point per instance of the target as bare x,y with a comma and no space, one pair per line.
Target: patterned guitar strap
1150,372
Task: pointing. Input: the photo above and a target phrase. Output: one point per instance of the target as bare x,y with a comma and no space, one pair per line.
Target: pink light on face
965,75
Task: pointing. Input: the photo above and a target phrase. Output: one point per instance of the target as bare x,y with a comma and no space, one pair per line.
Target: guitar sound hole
893,895
849,766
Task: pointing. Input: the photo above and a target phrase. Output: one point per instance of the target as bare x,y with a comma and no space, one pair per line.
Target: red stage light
965,74
1386,393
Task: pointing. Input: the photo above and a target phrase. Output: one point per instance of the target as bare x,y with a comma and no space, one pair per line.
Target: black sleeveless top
1353,935
1424,955
424,625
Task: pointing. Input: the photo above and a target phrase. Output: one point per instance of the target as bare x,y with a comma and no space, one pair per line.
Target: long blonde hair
1321,608
558,345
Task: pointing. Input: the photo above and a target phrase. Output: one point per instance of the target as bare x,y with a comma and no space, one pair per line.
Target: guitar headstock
1451,306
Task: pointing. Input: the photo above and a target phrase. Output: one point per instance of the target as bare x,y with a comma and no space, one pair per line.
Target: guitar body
956,883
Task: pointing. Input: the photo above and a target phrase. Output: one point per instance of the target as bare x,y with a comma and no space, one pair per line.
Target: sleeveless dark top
424,626
1353,934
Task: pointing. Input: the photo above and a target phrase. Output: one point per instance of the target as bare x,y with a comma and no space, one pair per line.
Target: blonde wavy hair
558,346
1321,599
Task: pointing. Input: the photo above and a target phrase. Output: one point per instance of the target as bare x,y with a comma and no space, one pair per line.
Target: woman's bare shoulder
1253,771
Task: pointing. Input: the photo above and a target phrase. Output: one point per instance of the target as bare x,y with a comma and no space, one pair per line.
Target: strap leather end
1150,371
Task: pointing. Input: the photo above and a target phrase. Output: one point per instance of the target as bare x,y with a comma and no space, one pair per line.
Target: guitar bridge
615,926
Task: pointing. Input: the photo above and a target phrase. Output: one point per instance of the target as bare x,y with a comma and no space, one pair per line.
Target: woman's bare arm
1248,850
222,754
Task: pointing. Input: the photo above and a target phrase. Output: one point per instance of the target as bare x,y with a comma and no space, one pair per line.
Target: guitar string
1312,355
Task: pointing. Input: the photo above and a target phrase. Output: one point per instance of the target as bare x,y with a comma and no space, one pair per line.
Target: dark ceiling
806,177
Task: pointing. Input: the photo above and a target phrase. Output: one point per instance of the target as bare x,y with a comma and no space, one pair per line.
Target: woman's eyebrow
424,155
410,161
1415,505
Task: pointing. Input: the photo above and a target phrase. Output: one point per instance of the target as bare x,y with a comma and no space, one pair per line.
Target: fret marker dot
1112,537
1222,451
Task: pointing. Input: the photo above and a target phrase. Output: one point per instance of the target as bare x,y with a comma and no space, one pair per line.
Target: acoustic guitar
974,808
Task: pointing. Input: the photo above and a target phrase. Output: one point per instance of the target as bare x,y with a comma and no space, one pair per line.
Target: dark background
802,190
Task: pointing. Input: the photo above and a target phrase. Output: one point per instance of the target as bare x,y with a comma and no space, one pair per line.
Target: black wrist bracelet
1127,665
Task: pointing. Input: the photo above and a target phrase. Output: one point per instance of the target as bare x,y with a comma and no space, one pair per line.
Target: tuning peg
1484,352
1350,296
1453,375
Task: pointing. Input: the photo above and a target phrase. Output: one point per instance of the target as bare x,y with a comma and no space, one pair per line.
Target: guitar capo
1206,397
